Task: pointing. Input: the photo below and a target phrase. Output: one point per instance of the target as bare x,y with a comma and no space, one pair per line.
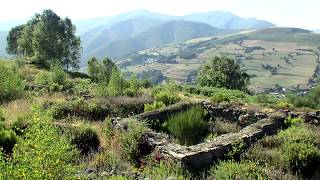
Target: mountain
104,35
286,57
3,43
226,20
89,24
172,31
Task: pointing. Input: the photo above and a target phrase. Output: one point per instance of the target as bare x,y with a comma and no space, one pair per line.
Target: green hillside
286,57
173,31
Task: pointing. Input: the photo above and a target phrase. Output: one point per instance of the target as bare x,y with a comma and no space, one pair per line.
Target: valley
283,57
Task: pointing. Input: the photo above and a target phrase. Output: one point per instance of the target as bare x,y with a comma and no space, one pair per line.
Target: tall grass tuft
188,127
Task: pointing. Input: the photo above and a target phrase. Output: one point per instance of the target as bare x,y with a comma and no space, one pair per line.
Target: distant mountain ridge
122,34
172,31
130,31
226,20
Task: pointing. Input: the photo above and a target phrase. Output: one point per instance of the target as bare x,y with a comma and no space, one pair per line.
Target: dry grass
16,108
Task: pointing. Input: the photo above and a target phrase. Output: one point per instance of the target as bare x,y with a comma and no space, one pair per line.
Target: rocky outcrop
205,154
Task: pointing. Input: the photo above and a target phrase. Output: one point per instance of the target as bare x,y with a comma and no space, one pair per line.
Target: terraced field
283,57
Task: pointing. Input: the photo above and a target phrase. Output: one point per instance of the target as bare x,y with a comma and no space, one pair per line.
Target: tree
100,72
12,38
222,72
46,39
117,83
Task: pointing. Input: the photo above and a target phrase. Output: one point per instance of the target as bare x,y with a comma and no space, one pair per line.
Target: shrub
82,86
117,84
108,161
299,156
221,97
166,170
134,87
130,139
167,98
56,78
234,170
297,134
220,127
7,140
265,99
188,127
11,84
294,121
20,125
44,153
7,137
86,139
154,106
310,100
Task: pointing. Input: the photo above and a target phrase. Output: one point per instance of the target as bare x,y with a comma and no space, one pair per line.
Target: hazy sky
292,13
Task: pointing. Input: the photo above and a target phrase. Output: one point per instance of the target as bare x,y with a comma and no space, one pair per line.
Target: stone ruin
256,125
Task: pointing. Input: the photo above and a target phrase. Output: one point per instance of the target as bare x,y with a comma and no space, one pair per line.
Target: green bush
167,98
82,86
7,140
298,134
129,140
56,78
294,121
234,170
11,84
44,153
20,125
86,139
108,161
154,106
188,127
221,97
117,84
166,170
310,100
7,137
299,156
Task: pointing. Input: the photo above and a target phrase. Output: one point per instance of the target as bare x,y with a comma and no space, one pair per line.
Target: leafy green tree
222,72
117,84
100,72
46,39
13,36
93,68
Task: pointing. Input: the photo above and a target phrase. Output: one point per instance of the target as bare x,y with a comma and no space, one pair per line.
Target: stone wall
203,155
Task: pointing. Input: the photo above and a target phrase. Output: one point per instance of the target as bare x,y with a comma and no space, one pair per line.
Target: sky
287,13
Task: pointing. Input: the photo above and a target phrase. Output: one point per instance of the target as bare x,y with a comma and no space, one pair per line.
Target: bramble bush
188,127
